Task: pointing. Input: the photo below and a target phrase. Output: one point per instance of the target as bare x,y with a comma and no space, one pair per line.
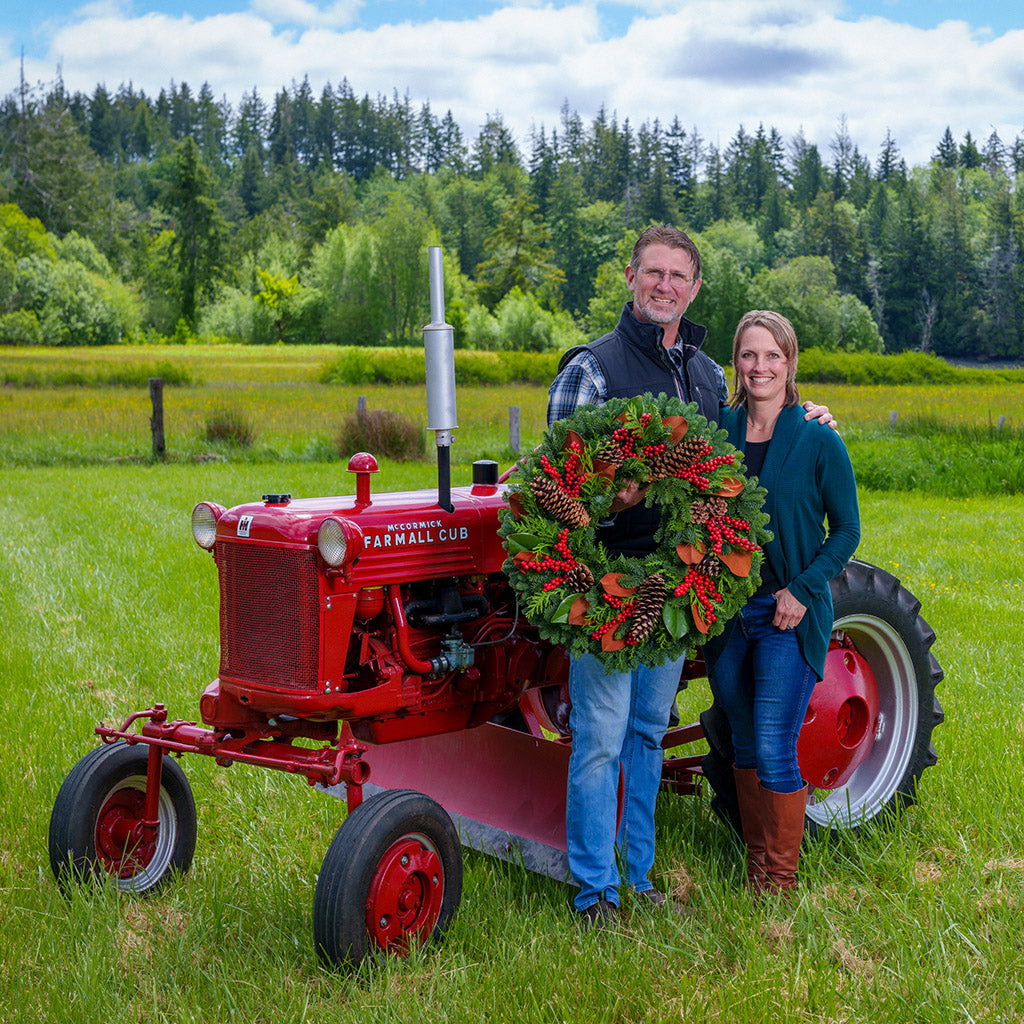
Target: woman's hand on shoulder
788,610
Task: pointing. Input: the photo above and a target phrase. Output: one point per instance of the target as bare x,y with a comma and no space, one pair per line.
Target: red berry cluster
625,440
724,528
549,563
625,609
699,473
574,479
704,587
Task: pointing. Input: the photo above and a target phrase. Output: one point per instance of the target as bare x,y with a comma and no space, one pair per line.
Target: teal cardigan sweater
809,479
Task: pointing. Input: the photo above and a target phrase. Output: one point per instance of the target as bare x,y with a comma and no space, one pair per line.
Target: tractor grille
269,616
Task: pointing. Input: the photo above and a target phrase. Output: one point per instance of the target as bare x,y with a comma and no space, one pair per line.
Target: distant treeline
305,218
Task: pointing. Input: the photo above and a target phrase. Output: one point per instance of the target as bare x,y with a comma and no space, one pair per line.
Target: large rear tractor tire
880,620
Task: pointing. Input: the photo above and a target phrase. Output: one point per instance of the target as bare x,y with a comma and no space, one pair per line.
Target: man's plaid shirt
583,383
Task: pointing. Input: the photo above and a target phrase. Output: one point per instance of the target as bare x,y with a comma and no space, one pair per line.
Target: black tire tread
73,819
339,929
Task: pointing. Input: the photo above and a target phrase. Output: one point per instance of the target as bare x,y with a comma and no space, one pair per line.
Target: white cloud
715,64
301,12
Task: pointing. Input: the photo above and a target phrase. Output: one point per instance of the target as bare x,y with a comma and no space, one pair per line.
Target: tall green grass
106,605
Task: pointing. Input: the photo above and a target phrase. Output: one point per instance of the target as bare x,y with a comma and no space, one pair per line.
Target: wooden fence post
361,407
156,422
513,428
892,418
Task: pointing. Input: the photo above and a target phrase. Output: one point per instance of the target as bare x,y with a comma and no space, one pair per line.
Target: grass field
106,606
297,419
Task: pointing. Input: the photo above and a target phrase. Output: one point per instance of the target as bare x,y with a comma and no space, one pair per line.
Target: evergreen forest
126,218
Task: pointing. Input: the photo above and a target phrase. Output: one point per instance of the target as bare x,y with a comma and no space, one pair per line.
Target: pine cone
710,566
671,460
579,580
708,508
565,508
611,453
650,599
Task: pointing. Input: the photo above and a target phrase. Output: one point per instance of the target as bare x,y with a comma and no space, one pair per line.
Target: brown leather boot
783,816
748,794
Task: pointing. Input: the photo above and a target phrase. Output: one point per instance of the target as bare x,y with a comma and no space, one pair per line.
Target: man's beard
657,315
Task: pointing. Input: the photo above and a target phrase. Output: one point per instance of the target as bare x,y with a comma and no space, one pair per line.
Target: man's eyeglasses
654,275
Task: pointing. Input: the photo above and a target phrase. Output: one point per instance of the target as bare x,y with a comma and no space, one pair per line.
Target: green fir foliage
589,456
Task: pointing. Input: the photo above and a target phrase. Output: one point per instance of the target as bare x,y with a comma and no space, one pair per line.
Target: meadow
106,605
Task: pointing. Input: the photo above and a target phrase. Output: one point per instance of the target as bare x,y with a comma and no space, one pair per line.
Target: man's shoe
651,899
600,916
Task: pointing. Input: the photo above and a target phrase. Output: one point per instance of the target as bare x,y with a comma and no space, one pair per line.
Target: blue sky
907,66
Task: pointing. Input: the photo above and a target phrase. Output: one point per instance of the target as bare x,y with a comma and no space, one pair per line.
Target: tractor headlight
204,523
339,542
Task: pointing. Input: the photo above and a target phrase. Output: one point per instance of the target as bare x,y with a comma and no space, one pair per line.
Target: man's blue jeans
617,718
764,686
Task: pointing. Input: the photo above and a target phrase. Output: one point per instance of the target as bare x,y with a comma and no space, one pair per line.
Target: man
618,719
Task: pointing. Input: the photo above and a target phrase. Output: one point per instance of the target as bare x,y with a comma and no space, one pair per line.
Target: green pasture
106,605
954,439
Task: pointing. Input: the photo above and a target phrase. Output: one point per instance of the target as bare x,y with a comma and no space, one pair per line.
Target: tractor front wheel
391,880
97,828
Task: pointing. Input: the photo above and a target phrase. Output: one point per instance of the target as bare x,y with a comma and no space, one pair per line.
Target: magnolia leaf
698,615
738,562
515,503
678,426
522,557
675,618
563,611
609,643
731,486
610,582
570,437
691,554
578,612
523,542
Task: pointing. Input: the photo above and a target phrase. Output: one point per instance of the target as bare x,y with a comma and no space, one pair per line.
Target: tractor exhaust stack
439,347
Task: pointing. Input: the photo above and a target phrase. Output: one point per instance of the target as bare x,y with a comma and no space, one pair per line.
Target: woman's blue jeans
617,718
764,686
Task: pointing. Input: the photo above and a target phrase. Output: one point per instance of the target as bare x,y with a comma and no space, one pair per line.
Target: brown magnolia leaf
515,504
571,436
578,612
691,554
678,426
609,643
605,469
738,562
610,582
698,615
522,557
731,486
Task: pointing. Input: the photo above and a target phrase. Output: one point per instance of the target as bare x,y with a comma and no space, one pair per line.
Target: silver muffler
439,348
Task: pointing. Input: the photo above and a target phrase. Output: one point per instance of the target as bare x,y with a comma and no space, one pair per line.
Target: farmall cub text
372,644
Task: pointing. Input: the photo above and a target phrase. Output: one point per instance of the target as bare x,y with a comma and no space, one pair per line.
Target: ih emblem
244,522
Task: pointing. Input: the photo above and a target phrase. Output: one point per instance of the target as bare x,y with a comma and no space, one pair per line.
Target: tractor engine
385,611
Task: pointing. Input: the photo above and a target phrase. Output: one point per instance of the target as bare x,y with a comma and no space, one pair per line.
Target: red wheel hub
121,845
841,721
406,892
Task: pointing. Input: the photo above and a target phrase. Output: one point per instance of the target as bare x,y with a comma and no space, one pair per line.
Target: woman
765,664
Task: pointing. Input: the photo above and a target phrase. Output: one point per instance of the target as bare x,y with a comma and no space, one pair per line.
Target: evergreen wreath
632,611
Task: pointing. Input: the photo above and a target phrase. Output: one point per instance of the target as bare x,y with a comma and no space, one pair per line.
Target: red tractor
371,644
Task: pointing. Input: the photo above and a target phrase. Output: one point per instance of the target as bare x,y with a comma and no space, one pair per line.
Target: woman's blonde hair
785,337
